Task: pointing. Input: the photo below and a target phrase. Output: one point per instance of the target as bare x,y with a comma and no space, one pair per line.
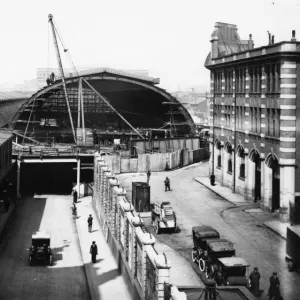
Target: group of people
273,292
93,248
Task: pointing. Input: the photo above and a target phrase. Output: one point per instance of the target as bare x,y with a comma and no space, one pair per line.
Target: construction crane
61,70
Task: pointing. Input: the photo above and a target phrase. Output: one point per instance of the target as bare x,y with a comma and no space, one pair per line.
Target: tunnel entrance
51,178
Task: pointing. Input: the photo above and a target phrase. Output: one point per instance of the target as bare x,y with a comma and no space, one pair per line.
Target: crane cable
64,47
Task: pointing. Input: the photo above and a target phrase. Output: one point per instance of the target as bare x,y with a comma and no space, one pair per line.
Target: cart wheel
202,265
157,228
50,260
194,257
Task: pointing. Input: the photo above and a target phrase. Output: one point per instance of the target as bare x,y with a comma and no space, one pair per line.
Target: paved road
196,205
66,278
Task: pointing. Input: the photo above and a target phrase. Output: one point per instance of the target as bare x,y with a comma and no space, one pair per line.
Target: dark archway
272,162
219,157
255,157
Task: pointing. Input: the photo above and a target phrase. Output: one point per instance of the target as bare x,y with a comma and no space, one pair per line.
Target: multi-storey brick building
253,109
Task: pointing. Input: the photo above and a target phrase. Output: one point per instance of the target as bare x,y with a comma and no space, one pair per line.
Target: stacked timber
89,138
88,134
79,136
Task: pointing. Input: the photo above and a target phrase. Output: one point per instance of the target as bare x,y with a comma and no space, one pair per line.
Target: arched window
228,149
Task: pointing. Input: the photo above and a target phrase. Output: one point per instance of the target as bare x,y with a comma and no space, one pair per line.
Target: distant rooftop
14,95
114,72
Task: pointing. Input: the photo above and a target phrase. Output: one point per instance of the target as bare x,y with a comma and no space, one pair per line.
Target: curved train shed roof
130,94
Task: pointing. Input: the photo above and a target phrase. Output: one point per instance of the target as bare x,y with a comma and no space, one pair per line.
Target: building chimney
250,42
270,39
293,36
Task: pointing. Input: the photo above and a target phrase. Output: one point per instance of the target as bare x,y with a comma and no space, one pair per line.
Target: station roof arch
137,97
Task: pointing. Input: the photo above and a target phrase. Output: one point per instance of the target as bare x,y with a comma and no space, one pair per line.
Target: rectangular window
268,121
259,73
251,77
229,165
237,81
219,161
278,78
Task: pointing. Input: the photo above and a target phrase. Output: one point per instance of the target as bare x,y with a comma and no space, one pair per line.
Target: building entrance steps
266,218
104,279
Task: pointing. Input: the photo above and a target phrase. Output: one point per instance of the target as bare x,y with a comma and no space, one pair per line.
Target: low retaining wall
143,269
155,162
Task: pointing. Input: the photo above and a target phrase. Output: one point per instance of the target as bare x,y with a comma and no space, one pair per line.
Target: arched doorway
255,157
218,154
272,162
228,150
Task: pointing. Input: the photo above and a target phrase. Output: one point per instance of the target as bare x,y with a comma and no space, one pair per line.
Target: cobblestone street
196,205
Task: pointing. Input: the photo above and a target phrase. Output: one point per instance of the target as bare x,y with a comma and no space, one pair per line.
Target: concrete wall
143,269
165,145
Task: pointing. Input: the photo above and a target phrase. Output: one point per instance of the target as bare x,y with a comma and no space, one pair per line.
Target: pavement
66,278
4,216
104,279
276,226
181,272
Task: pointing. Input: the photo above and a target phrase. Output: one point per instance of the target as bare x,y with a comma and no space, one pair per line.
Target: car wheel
50,260
194,256
202,265
157,229
208,273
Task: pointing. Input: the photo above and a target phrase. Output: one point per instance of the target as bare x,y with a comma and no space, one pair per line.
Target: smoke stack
293,36
250,42
270,40
273,39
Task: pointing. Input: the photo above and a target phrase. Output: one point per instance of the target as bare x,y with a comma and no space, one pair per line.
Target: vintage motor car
231,271
201,235
40,250
216,249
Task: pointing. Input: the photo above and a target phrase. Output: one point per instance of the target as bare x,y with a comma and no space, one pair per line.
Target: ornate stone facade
253,124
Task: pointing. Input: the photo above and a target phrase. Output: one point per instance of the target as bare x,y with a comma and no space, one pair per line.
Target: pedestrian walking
75,196
148,176
90,223
274,292
254,282
94,251
167,184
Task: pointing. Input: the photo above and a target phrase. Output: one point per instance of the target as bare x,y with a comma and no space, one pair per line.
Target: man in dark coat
167,184
94,251
90,223
75,196
254,282
274,292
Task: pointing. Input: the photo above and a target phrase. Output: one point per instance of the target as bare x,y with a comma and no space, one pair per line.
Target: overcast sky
169,38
